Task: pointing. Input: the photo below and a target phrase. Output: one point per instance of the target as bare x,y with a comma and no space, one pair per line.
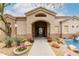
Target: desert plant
21,48
7,29
58,40
18,41
8,41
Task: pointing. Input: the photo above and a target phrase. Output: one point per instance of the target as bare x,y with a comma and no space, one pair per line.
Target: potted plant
31,40
49,39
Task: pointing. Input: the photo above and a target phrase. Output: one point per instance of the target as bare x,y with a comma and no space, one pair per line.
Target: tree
7,25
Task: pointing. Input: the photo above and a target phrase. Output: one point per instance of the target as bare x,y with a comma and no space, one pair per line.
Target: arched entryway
40,29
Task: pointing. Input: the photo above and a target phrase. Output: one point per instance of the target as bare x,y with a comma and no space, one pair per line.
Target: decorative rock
2,45
76,50
28,43
55,44
71,47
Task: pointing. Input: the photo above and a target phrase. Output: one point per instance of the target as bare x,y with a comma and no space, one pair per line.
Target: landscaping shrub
8,41
58,40
18,41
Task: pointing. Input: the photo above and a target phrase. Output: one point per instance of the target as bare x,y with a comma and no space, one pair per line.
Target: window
72,26
57,29
77,26
66,29
40,15
65,25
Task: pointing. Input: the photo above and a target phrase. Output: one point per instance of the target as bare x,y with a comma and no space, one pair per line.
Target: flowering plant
68,54
21,48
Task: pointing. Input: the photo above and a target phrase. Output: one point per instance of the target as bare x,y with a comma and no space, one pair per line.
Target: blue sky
71,9
67,9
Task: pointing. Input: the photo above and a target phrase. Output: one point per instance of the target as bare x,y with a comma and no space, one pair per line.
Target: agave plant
8,41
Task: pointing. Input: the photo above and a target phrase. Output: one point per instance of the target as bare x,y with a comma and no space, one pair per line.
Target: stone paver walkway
41,48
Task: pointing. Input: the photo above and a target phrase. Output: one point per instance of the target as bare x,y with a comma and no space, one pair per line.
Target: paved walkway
41,48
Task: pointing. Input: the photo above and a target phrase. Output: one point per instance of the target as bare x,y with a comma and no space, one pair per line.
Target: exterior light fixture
16,25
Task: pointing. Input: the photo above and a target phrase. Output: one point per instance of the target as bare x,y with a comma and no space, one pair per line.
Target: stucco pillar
29,30
13,29
48,30
51,33
51,30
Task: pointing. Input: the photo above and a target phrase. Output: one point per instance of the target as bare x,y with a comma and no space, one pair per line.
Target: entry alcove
40,27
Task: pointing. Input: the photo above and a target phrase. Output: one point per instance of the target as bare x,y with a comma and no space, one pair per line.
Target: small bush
58,40
8,41
17,41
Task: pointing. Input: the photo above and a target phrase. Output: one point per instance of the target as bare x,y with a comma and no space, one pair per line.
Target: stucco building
50,24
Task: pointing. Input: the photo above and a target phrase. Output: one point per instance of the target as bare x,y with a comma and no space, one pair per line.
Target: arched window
40,15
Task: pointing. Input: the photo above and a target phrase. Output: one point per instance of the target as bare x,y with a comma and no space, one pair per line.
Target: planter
20,52
30,40
49,39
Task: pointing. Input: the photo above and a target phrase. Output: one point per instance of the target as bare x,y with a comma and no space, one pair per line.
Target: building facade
42,22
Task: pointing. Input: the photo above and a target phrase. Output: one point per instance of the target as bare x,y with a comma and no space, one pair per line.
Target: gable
40,9
74,18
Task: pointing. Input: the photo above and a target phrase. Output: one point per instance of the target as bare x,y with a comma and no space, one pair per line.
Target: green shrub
8,41
18,41
58,40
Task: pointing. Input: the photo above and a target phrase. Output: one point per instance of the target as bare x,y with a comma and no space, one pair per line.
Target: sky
67,9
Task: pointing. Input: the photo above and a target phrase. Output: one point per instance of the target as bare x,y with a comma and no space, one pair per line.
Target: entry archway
40,29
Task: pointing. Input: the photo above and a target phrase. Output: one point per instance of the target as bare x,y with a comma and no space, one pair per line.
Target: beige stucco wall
12,21
21,28
2,34
71,23
31,19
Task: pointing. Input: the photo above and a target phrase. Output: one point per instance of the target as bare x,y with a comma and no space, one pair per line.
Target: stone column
51,33
29,31
13,29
